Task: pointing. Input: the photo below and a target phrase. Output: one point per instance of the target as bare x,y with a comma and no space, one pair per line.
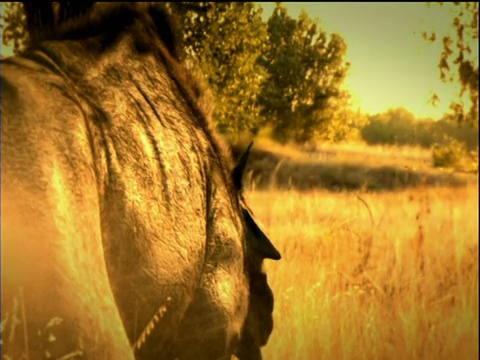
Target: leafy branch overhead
459,59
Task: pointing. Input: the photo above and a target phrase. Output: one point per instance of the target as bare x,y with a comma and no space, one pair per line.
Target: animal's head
259,322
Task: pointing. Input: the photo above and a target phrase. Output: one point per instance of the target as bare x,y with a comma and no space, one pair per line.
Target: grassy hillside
345,167
373,276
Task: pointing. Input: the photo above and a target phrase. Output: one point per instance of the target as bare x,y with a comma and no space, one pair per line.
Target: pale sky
391,64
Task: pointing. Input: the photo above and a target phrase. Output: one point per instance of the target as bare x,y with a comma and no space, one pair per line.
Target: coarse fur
124,234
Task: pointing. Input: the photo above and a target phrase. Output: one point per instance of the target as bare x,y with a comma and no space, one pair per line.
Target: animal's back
107,176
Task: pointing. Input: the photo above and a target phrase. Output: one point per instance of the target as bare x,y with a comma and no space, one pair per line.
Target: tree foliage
305,71
344,124
13,23
396,126
224,41
459,59
400,127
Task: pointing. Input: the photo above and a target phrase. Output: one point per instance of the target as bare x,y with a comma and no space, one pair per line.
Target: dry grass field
392,275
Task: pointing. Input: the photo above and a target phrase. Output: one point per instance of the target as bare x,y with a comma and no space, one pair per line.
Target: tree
224,41
345,123
396,126
305,72
459,59
399,127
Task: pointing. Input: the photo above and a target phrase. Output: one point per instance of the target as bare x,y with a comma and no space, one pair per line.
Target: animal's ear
237,173
262,244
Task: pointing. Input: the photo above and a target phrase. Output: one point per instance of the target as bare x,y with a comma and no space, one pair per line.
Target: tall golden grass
373,276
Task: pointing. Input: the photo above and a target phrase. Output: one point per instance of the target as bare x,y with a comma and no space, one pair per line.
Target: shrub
448,154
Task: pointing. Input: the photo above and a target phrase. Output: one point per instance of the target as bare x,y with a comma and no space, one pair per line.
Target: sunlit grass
379,276
352,152
352,166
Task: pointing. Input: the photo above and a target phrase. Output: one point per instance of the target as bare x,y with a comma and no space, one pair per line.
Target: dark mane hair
107,21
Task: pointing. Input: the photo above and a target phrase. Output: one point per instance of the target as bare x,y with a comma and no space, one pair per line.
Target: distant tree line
400,127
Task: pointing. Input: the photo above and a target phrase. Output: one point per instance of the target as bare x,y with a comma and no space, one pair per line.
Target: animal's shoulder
34,95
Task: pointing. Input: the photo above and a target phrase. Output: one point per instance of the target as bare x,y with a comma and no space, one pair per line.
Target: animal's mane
108,21
148,23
